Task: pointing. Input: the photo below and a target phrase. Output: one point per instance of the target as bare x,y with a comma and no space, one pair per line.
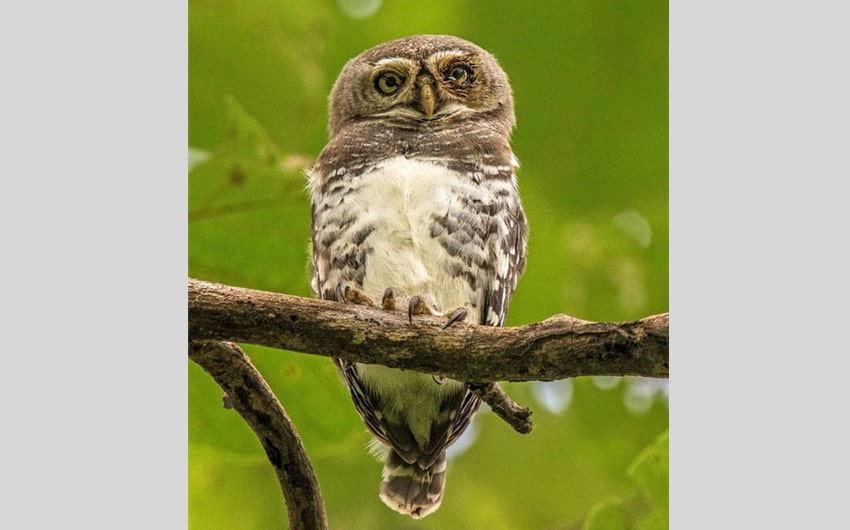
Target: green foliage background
591,88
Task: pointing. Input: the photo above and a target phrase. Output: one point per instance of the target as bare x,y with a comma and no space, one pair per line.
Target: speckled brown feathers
416,192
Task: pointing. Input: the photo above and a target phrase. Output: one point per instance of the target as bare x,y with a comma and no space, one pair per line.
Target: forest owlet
415,204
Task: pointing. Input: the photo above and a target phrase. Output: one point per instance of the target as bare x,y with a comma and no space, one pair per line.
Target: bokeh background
590,82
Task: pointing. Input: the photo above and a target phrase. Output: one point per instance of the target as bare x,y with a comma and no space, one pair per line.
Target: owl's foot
353,295
417,306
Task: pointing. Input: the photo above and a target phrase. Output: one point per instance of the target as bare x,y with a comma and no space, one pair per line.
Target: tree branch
556,348
509,410
251,396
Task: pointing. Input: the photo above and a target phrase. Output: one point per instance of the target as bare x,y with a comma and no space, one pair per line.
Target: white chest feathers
400,199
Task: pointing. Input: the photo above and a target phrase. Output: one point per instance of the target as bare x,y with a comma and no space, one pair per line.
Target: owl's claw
353,295
458,315
388,301
417,306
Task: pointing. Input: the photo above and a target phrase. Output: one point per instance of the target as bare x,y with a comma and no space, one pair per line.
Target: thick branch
251,396
556,348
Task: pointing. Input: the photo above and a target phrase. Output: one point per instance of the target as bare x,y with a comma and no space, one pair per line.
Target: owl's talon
388,301
439,379
458,315
417,306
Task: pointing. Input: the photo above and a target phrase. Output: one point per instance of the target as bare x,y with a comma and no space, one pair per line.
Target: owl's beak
427,100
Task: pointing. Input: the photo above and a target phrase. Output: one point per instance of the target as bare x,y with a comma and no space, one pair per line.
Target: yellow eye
461,75
388,83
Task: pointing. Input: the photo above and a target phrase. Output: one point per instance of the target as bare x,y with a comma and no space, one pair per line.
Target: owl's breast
410,224
401,199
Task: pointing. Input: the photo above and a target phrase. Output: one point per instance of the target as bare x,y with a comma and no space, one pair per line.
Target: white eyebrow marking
444,54
392,60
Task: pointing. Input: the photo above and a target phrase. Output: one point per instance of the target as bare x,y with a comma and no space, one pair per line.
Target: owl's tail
411,490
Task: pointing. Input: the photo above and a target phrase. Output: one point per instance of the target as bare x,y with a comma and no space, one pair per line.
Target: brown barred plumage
416,191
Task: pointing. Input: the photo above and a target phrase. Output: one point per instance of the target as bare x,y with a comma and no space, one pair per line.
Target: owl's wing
508,253
510,246
362,400
464,416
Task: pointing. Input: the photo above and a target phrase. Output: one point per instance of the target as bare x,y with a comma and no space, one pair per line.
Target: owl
415,208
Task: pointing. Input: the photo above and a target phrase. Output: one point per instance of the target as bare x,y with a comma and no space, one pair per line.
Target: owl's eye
388,83
460,75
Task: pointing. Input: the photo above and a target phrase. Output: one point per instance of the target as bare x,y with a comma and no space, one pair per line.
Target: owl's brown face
427,80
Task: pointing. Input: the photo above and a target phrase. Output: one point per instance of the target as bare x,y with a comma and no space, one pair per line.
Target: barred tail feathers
411,490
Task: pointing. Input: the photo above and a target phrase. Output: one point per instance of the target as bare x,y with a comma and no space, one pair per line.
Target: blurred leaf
651,471
607,517
248,211
197,156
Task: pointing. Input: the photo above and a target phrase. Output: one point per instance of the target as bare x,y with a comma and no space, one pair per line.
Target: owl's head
423,80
